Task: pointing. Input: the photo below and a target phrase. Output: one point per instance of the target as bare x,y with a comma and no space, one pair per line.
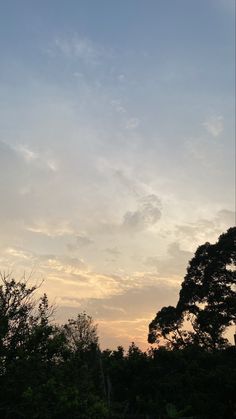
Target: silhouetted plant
207,299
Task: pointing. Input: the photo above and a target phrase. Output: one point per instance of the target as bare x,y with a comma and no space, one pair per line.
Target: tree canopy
207,299
46,370
81,333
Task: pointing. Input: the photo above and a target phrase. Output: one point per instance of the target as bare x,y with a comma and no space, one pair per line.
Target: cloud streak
214,125
77,48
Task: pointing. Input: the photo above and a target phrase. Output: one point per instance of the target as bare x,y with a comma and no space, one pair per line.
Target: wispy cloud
121,77
28,155
214,125
132,123
77,48
52,228
65,276
175,263
117,106
52,165
147,214
39,159
201,230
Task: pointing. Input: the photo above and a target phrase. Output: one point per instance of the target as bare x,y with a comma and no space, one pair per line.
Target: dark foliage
46,371
187,383
207,299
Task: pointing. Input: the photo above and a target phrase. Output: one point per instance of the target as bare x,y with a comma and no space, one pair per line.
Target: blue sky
116,149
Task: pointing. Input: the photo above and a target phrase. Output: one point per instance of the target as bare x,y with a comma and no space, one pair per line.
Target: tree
167,326
24,321
207,298
81,333
46,371
30,347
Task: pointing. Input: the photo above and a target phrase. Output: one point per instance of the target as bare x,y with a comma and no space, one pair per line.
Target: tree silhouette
207,298
46,371
24,321
81,333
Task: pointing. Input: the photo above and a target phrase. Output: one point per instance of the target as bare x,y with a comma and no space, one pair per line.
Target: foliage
46,371
207,299
81,333
190,383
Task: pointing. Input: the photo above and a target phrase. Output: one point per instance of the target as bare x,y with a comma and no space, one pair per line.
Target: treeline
53,372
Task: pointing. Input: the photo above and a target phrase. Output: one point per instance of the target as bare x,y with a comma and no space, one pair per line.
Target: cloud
40,160
79,48
69,301
147,214
125,331
202,230
28,155
53,165
64,276
133,301
113,308
132,123
82,240
64,264
113,251
125,317
115,301
121,77
15,185
214,125
175,263
10,161
226,217
117,105
126,182
18,253
21,258
51,228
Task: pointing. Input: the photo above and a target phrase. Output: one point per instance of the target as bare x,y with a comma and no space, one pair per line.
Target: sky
117,150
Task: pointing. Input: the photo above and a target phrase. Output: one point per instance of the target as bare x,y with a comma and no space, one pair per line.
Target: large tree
25,327
46,371
207,299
